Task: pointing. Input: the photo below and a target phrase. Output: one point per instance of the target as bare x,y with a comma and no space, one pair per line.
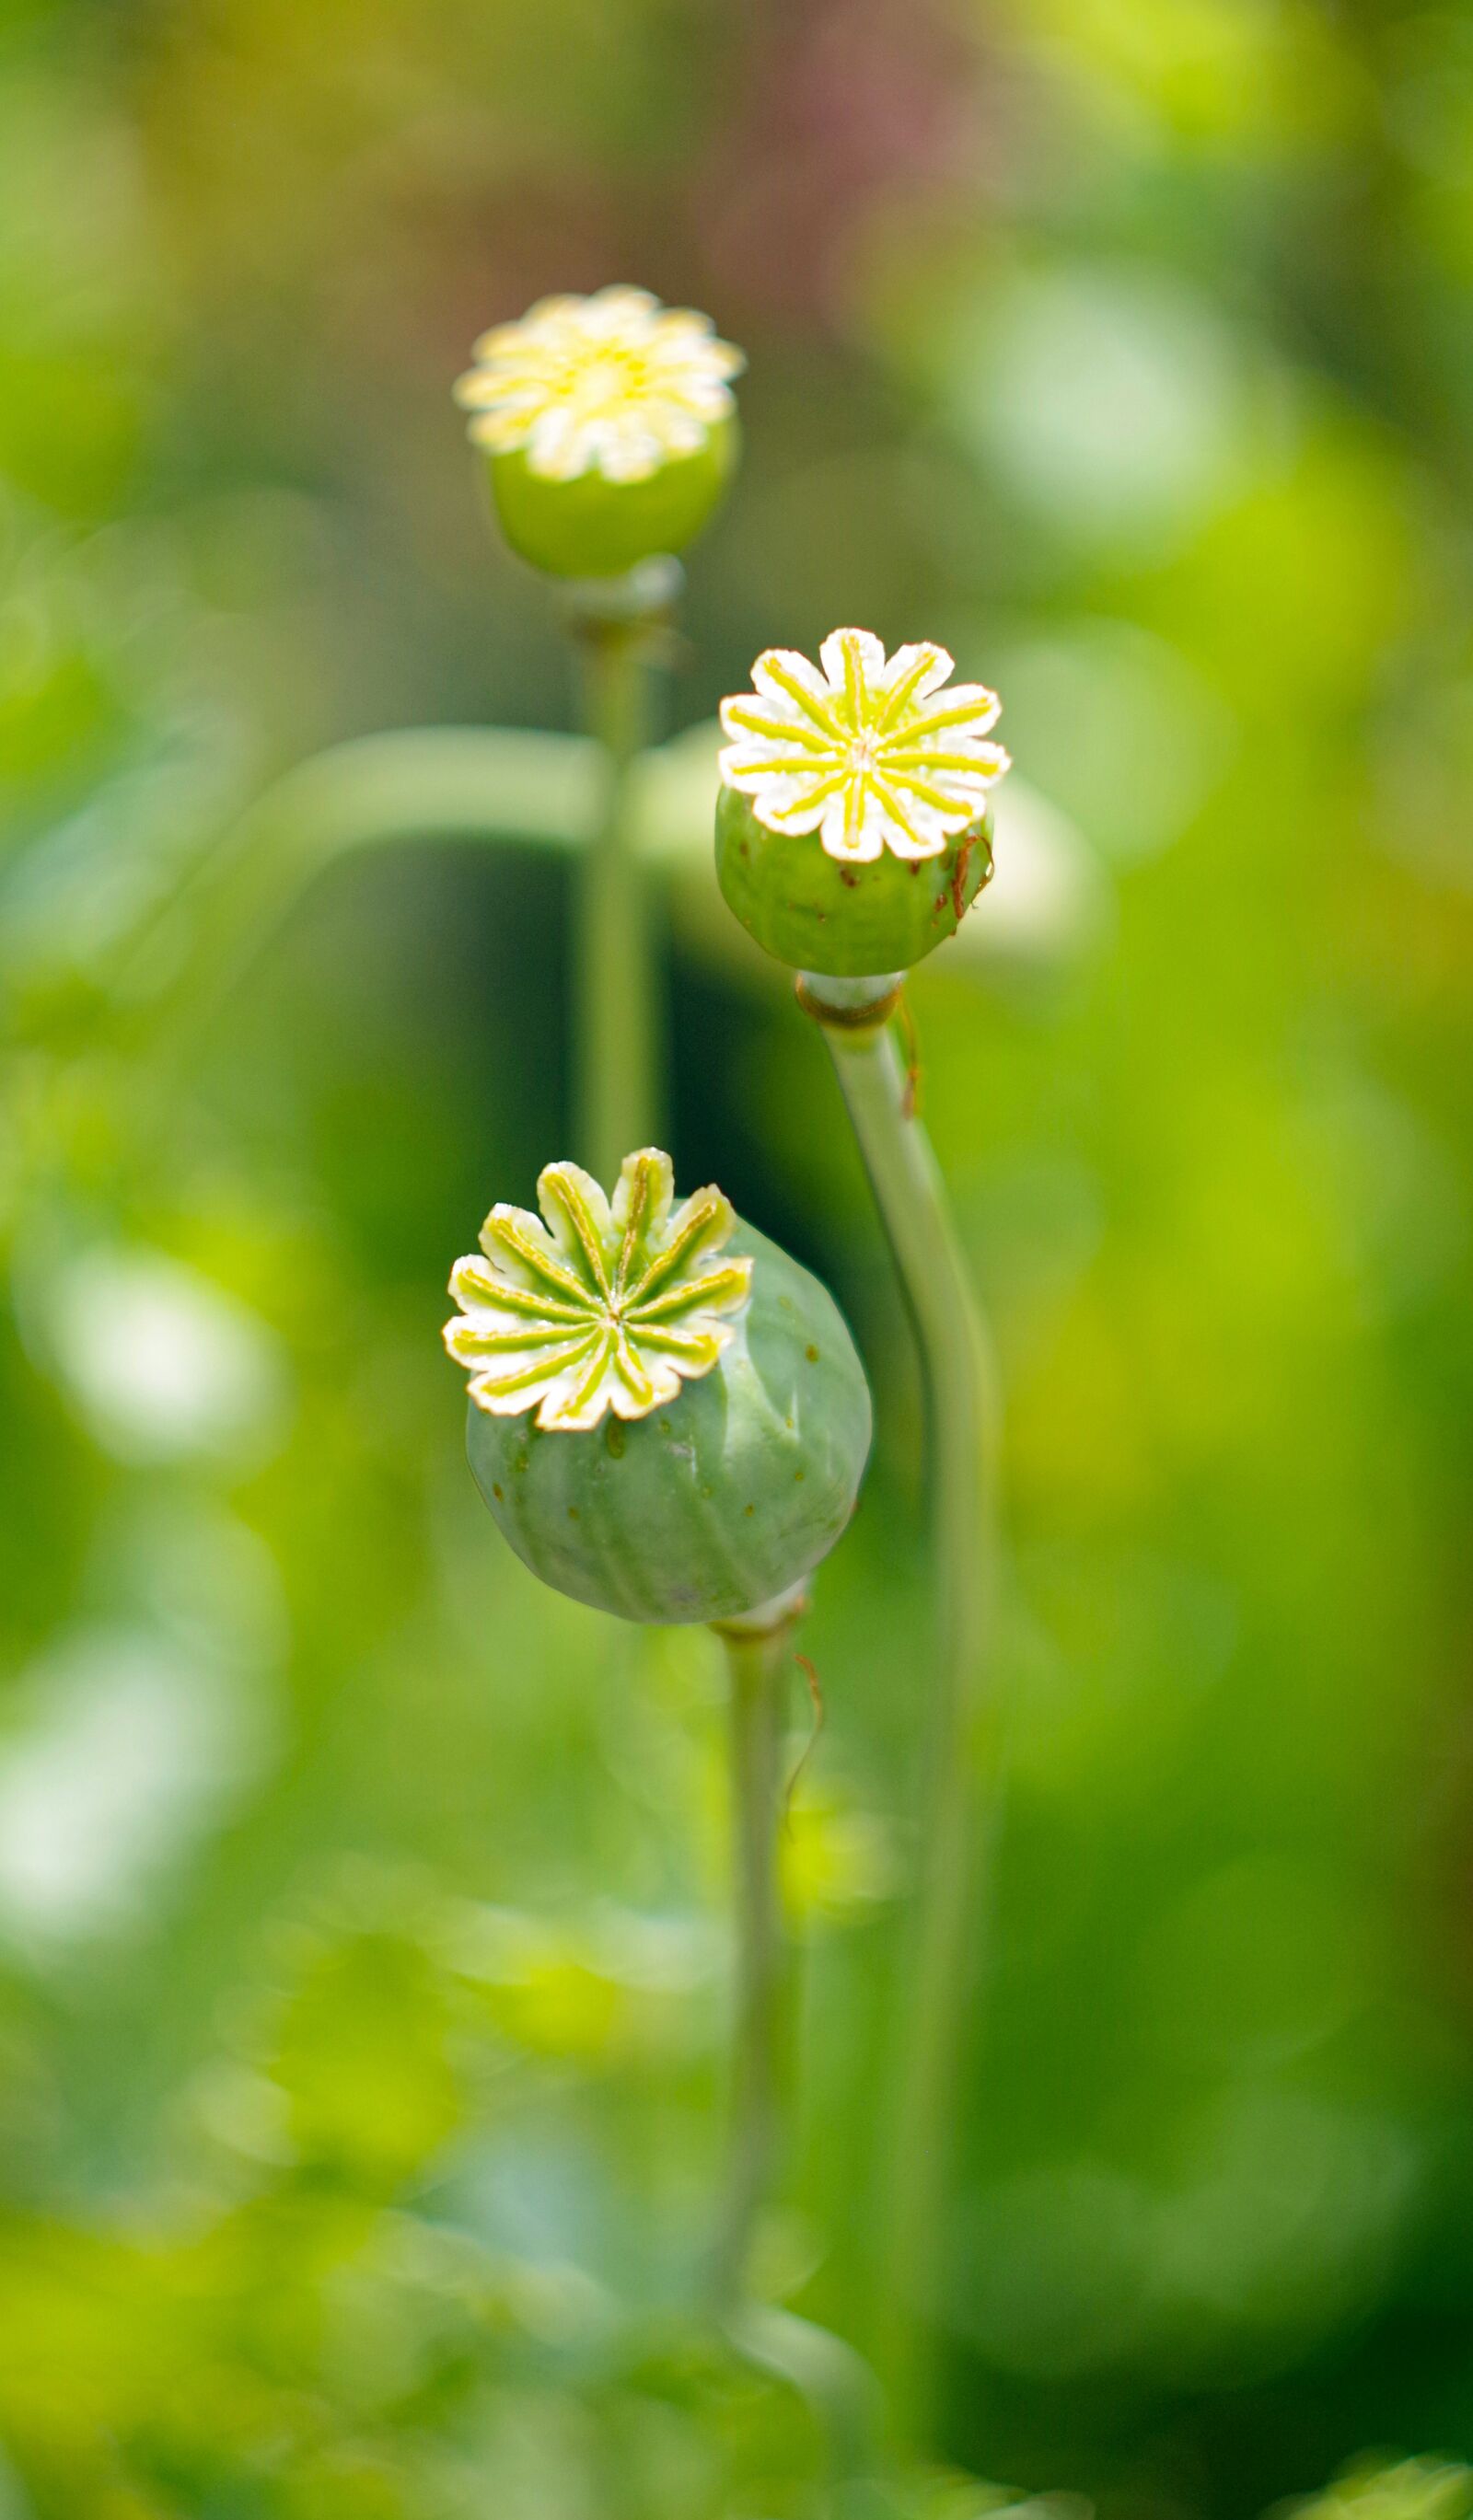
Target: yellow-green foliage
362,1973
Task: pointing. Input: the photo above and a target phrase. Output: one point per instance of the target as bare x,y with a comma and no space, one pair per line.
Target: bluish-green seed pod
609,429
851,826
664,1433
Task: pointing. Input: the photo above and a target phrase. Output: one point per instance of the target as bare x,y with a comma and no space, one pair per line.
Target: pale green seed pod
609,429
668,1418
852,824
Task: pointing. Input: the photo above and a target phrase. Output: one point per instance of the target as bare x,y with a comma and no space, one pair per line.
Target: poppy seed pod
668,1418
851,825
609,428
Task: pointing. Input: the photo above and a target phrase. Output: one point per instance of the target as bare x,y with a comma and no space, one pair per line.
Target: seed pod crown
601,1303
609,425
667,1415
852,828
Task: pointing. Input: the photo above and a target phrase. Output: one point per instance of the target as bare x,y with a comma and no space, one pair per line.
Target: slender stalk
756,1665
834,2380
616,1099
841,2391
430,784
962,1427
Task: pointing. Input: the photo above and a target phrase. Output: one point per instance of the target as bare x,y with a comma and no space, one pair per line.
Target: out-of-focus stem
756,1658
426,785
834,2380
962,1428
616,1099
841,2390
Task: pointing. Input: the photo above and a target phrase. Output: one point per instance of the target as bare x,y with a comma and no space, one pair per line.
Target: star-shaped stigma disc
606,1304
871,753
614,384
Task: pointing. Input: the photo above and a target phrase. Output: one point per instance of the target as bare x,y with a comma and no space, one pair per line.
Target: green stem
757,1664
837,2385
963,1427
828,2374
429,785
617,1104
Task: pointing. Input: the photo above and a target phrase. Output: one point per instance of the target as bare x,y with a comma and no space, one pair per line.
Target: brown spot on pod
812,1353
614,1438
959,877
495,1491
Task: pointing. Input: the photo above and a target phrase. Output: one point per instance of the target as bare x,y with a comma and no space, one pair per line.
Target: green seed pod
596,527
609,429
667,1417
851,825
817,915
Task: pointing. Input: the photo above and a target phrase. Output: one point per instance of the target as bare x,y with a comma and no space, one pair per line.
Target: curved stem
572,794
963,1414
427,784
839,2387
756,1664
617,1099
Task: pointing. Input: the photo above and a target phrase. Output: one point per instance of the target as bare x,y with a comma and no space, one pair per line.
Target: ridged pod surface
719,1499
817,914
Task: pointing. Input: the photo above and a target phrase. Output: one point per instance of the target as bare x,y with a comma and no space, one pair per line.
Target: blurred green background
361,1952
